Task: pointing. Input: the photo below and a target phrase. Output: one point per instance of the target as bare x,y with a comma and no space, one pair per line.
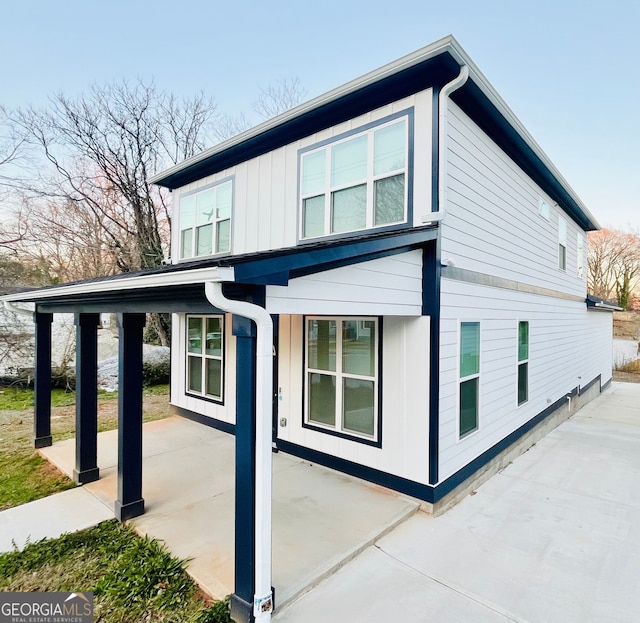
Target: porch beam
130,502
42,380
86,469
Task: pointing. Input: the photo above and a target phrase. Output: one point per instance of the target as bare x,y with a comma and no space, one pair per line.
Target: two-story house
389,280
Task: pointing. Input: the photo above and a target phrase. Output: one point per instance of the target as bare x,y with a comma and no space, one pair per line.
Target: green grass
24,475
132,578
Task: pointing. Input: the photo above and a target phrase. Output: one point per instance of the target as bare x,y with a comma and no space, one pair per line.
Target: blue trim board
428,493
225,427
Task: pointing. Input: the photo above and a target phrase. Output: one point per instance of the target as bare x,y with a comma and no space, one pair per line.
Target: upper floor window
562,243
205,221
356,182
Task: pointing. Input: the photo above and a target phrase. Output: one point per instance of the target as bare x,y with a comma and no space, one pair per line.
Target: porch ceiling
180,287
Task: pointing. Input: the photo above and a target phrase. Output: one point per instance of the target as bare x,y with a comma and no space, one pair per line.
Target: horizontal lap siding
386,286
405,399
568,346
492,224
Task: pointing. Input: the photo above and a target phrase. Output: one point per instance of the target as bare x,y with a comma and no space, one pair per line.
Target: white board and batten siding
388,286
265,202
493,225
568,347
405,399
226,411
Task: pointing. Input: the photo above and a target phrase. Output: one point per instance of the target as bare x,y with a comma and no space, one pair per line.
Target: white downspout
443,134
262,602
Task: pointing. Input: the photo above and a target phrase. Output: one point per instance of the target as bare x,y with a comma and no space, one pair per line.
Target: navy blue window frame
376,443
408,113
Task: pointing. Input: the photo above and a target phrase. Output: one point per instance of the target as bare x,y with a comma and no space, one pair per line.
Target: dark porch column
130,503
42,381
86,469
242,599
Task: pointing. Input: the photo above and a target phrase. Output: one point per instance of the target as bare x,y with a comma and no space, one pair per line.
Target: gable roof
432,66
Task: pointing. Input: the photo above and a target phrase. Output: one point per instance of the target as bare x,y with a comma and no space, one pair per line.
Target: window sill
334,433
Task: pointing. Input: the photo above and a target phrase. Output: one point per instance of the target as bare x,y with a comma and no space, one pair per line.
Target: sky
569,69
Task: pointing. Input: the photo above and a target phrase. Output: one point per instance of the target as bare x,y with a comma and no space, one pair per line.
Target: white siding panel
266,188
405,399
568,346
492,224
386,286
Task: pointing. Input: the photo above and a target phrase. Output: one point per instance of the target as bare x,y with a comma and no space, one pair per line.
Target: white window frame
580,255
562,243
214,222
339,375
370,179
205,357
543,209
469,377
521,362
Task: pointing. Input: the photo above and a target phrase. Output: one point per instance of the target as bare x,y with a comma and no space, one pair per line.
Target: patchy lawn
132,578
24,475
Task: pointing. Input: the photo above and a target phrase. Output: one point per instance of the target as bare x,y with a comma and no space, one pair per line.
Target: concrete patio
321,519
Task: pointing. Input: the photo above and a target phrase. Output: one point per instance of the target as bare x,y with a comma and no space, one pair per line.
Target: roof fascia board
199,275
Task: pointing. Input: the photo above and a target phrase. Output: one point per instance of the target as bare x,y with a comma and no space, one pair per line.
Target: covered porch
244,283
321,518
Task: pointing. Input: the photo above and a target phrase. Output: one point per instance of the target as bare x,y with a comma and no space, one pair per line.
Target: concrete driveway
555,537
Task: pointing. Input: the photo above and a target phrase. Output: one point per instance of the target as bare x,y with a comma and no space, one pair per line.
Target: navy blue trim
375,443
590,384
225,427
434,71
42,380
428,493
210,399
431,282
408,113
129,502
397,483
245,458
86,465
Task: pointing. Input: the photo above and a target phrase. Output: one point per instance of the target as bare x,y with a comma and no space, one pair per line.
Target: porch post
86,469
242,599
130,503
42,381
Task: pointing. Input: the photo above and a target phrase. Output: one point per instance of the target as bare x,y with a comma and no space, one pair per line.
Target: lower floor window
469,375
205,349
342,375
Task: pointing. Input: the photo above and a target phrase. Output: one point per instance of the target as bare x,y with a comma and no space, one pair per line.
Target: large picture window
357,182
205,356
342,375
523,362
469,388
205,221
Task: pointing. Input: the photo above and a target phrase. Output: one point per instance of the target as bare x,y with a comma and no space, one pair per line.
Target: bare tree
613,261
102,148
272,101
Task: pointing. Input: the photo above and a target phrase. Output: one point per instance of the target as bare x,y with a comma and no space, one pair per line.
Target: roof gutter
198,275
263,599
9,306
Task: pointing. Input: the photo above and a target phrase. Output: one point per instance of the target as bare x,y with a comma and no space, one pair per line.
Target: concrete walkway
555,537
321,519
